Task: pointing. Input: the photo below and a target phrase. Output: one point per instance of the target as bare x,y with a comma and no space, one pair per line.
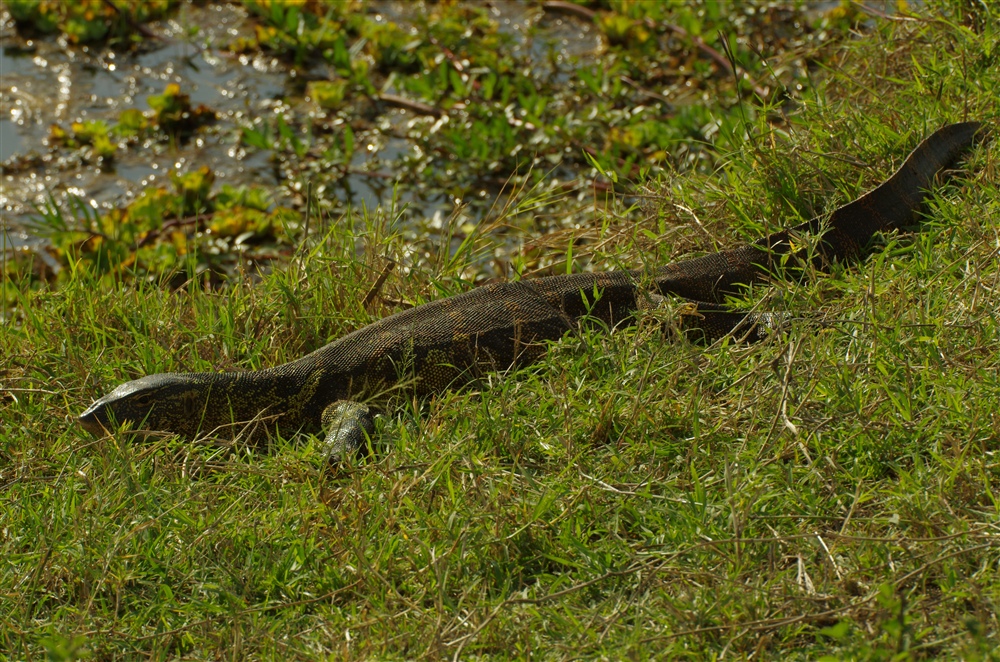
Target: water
10,140
43,83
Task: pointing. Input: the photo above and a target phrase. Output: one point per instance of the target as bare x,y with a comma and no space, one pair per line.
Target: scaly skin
502,326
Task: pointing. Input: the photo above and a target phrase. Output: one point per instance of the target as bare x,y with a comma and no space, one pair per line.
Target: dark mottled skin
502,326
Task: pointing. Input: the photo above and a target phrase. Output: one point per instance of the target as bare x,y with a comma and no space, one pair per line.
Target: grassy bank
829,491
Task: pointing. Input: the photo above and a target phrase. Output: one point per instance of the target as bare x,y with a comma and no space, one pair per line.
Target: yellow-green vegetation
498,105
825,494
172,117
83,21
189,230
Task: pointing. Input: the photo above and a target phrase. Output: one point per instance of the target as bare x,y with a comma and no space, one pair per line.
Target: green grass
830,491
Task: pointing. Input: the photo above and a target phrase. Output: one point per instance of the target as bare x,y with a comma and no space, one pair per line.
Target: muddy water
45,82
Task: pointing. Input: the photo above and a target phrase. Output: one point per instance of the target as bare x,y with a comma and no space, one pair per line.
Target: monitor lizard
505,325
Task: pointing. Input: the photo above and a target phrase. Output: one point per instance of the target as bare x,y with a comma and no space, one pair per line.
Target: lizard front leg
348,427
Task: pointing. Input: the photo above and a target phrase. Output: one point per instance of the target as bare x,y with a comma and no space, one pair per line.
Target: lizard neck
234,403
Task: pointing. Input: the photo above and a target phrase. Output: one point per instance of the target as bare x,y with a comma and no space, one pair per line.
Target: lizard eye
143,400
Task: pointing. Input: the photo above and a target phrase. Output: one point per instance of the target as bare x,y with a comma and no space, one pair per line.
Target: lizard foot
349,427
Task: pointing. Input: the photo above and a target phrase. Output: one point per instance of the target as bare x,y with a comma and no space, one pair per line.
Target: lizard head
166,402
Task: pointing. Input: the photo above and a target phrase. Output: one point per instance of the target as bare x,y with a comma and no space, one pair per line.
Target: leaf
839,631
257,138
348,143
